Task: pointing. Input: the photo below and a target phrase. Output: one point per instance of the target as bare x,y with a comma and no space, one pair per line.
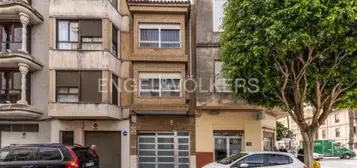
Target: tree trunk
351,125
308,138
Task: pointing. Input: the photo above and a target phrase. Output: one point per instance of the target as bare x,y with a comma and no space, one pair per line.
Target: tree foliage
300,51
282,131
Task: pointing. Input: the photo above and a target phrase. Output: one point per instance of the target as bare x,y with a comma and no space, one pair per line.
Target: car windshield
231,159
3,153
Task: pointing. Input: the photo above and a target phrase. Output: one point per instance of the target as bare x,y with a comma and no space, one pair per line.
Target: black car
47,156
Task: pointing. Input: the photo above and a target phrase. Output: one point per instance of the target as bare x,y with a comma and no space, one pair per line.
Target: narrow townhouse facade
224,125
23,72
84,74
157,57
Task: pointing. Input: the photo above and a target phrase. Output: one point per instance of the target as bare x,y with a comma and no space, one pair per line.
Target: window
10,86
355,145
19,127
337,118
166,149
82,34
3,153
78,86
10,37
324,134
274,160
21,154
337,132
354,129
115,93
159,36
254,160
226,145
115,41
220,82
160,85
218,6
67,137
49,154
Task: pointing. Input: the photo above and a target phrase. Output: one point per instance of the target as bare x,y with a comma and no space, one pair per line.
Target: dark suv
47,156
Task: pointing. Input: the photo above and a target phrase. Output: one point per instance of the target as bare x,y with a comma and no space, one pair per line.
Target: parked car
258,159
318,156
47,156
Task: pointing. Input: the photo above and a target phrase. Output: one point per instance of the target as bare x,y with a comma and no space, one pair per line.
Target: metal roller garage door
164,150
108,147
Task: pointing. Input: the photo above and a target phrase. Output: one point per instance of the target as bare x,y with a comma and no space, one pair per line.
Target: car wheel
347,156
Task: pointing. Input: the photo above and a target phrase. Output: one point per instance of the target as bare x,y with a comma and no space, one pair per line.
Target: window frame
160,84
267,159
79,41
12,36
240,161
226,88
337,118
323,132
39,150
12,86
79,82
215,27
160,27
337,132
68,35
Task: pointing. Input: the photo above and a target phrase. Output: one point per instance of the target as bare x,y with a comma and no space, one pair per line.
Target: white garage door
8,138
164,150
19,134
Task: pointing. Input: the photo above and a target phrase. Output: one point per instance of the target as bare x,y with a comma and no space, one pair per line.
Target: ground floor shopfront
163,142
224,133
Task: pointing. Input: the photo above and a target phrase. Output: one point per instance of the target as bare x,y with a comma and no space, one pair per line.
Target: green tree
300,52
282,131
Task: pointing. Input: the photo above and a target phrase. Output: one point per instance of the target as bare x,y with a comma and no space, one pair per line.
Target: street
338,163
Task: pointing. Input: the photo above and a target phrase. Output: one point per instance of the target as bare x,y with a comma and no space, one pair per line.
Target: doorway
226,145
108,147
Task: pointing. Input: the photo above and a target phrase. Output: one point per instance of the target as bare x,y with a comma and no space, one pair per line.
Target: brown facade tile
159,68
159,54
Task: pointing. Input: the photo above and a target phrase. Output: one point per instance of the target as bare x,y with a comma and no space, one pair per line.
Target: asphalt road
338,163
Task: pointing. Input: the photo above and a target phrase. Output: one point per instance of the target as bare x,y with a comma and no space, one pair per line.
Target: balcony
85,111
14,95
16,9
103,60
88,9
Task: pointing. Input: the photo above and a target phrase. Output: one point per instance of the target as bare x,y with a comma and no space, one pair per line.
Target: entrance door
225,146
108,146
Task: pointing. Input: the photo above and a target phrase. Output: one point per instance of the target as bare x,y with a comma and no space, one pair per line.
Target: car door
251,161
49,157
21,157
278,161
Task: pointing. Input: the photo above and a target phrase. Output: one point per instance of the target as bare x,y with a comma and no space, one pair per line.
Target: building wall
79,127
247,122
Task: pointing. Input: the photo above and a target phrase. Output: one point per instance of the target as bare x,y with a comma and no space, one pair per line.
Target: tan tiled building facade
162,120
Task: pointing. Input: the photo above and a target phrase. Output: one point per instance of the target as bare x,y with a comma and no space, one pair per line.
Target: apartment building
23,72
60,67
158,58
336,128
224,125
